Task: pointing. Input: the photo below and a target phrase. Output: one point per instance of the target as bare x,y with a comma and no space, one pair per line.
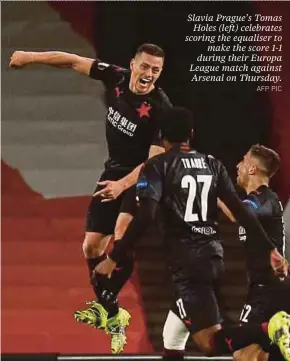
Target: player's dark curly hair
151,49
177,125
268,159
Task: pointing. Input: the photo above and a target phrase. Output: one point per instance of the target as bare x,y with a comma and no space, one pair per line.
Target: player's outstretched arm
61,59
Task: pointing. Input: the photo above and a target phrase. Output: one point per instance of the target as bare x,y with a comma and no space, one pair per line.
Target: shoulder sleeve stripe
103,66
252,203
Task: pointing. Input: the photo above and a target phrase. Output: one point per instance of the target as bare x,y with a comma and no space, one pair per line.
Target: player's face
243,170
145,70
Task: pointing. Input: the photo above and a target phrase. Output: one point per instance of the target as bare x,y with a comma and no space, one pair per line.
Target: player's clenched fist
19,59
279,264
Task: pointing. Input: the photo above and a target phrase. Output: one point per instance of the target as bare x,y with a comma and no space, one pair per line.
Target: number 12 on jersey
188,181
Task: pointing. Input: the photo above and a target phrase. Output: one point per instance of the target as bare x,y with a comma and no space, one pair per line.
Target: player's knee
206,348
204,345
263,356
90,250
94,245
250,353
238,356
204,340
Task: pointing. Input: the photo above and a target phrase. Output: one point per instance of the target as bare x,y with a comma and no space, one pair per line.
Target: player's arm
225,210
113,189
135,230
149,192
132,177
144,216
55,58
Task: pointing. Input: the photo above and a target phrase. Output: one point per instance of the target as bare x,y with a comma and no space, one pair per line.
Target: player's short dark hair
177,124
268,158
151,49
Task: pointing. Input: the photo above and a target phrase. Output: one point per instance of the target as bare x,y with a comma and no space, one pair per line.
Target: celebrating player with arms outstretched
132,131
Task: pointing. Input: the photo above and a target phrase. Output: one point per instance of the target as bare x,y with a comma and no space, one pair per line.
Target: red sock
265,327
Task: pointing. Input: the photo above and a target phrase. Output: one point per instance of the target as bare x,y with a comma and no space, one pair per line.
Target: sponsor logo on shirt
207,231
120,122
142,184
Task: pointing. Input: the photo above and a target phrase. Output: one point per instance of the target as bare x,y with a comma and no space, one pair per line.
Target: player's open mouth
145,81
